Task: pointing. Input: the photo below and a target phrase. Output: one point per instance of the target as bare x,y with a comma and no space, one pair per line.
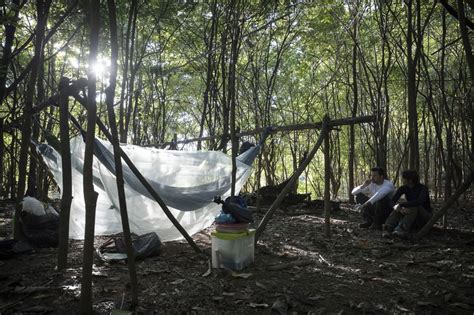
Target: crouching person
375,199
412,214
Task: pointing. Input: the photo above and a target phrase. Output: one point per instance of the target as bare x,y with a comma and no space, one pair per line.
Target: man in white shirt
374,195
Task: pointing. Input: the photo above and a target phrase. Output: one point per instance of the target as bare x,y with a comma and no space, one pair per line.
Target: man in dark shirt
414,212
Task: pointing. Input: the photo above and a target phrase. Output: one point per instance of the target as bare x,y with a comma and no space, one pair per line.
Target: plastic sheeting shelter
186,181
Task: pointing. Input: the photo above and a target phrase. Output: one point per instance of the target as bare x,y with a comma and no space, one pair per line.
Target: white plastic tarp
186,181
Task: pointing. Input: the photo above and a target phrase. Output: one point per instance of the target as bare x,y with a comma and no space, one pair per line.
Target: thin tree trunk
470,62
131,14
117,159
7,48
414,158
131,82
2,152
209,72
232,93
327,185
42,8
351,158
66,193
90,196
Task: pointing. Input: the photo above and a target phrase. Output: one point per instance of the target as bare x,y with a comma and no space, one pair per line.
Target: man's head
378,175
410,178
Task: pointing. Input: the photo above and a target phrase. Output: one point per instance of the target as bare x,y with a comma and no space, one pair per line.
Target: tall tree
90,196
116,147
42,10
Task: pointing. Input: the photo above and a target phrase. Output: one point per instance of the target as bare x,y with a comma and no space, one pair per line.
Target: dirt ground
296,271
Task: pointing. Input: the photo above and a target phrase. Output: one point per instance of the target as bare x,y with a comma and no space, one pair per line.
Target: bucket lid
233,236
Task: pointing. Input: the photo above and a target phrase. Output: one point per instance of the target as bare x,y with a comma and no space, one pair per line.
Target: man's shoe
365,225
386,234
400,234
375,226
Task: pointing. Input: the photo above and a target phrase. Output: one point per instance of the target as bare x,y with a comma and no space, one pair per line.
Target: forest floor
296,270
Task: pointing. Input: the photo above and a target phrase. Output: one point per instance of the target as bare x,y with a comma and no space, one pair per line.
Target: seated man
415,212
375,197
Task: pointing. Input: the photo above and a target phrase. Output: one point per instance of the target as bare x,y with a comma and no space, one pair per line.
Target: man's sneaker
376,226
365,225
400,233
386,234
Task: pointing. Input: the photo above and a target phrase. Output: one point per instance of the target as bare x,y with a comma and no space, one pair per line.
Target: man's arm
387,188
364,188
420,200
398,194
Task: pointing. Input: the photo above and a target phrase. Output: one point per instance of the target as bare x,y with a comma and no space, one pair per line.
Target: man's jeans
378,212
416,218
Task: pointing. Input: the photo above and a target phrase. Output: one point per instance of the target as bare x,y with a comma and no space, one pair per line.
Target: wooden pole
296,127
292,180
438,214
66,193
90,195
109,100
327,185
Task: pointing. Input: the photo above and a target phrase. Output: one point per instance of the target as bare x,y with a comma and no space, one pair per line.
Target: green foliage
294,66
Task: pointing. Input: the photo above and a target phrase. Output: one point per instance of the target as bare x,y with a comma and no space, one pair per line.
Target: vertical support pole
66,193
2,150
174,143
327,183
293,179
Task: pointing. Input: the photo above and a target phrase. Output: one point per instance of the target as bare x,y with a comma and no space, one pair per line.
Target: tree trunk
125,47
117,159
209,72
66,193
327,185
42,8
234,55
414,159
470,62
133,72
7,48
90,196
2,152
351,158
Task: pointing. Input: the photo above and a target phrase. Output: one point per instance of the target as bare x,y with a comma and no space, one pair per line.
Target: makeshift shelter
186,181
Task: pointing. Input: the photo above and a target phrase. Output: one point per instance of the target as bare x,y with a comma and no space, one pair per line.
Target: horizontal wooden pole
296,127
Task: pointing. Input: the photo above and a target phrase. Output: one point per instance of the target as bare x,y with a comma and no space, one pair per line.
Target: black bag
42,230
12,248
237,208
146,245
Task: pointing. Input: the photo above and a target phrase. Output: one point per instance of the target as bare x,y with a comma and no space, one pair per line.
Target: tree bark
131,14
2,152
117,159
66,193
42,8
470,62
234,56
90,196
327,185
414,159
133,72
355,90
10,29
